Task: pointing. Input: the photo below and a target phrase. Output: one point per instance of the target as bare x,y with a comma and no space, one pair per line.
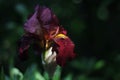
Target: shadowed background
93,25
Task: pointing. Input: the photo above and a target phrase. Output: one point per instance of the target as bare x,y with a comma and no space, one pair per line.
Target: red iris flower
43,30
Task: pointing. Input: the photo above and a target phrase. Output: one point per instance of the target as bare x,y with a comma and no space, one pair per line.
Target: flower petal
65,50
44,27
42,22
33,25
24,44
48,21
46,16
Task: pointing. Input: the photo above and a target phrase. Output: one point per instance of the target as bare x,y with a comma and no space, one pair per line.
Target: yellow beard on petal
60,36
47,45
49,56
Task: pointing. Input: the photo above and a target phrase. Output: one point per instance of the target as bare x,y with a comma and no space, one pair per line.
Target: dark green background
93,25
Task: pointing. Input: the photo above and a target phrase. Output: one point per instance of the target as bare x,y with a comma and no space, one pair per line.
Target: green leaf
2,75
57,73
16,74
29,74
68,77
99,64
38,76
33,74
46,76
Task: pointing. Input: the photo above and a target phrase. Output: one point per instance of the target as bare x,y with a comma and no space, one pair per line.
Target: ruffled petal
46,15
42,23
65,50
33,26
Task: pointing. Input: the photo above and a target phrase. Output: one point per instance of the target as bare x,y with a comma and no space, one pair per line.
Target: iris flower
47,36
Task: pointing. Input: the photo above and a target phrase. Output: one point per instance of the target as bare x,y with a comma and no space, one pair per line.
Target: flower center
49,56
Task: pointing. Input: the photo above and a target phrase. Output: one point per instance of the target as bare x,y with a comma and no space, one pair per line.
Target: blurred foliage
93,25
31,74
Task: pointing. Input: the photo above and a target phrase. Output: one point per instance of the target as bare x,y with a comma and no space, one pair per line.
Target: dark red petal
23,45
65,50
